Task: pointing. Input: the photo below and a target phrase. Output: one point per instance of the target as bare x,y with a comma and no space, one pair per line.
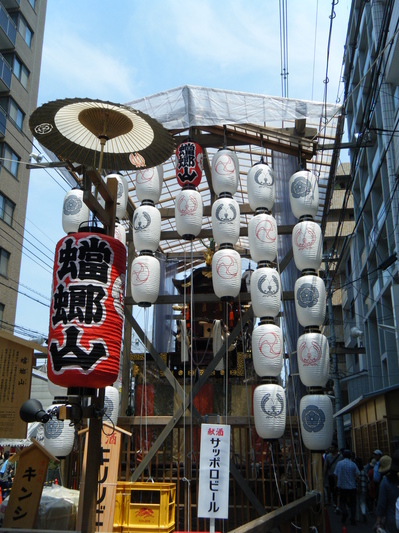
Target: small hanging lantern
261,186
304,194
267,350
265,292
226,220
226,273
307,244
262,237
120,233
86,314
59,435
189,164
310,300
313,359
145,279
269,411
225,172
146,227
316,414
188,213
149,184
74,211
111,405
122,194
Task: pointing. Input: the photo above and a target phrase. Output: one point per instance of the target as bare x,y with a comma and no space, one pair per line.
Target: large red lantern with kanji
189,164
86,314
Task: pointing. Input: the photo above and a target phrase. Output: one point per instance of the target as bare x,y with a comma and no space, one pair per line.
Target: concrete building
368,266
21,42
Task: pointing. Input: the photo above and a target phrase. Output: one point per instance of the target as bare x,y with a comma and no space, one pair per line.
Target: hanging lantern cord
224,136
261,148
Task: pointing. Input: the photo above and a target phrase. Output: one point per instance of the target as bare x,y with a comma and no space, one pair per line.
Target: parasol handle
103,140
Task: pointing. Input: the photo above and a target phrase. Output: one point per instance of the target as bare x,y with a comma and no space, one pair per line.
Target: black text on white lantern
149,184
310,300
226,220
262,237
313,356
145,276
59,435
225,172
266,292
316,415
226,273
188,213
307,245
267,350
304,194
261,186
74,211
146,228
269,411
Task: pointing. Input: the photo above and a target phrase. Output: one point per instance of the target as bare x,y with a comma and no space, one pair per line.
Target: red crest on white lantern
189,163
226,273
188,213
149,184
262,236
225,172
307,245
145,276
267,350
313,359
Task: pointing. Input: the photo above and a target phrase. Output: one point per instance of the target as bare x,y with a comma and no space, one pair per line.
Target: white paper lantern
269,411
266,292
146,228
304,194
145,279
226,220
74,211
313,356
226,273
316,414
120,233
225,172
262,237
188,213
310,300
261,186
111,405
267,350
149,184
59,435
122,194
307,245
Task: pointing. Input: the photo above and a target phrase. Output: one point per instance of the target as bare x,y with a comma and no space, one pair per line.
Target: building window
1,314
7,208
18,68
4,259
33,4
15,113
10,160
23,27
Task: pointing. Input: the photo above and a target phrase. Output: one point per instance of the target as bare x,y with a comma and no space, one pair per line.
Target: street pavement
336,525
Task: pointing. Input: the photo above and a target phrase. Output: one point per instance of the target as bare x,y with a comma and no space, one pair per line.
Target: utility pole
335,373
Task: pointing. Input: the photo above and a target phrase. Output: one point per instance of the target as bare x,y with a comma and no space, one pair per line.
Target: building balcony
3,123
8,30
11,4
5,75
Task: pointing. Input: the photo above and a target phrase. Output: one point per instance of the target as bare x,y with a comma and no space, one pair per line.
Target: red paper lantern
189,164
86,314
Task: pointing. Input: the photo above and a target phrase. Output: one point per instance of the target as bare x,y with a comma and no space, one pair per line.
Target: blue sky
128,49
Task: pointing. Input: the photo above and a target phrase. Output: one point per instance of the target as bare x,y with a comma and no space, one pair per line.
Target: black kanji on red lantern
189,164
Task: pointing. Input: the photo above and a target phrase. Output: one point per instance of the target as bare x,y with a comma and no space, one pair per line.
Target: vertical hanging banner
213,499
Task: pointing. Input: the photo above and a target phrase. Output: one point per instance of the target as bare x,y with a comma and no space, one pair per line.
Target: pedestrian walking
347,473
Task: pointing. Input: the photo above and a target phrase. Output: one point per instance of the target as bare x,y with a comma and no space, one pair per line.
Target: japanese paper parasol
101,134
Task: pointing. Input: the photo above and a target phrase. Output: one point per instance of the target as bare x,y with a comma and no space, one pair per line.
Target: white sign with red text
213,498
